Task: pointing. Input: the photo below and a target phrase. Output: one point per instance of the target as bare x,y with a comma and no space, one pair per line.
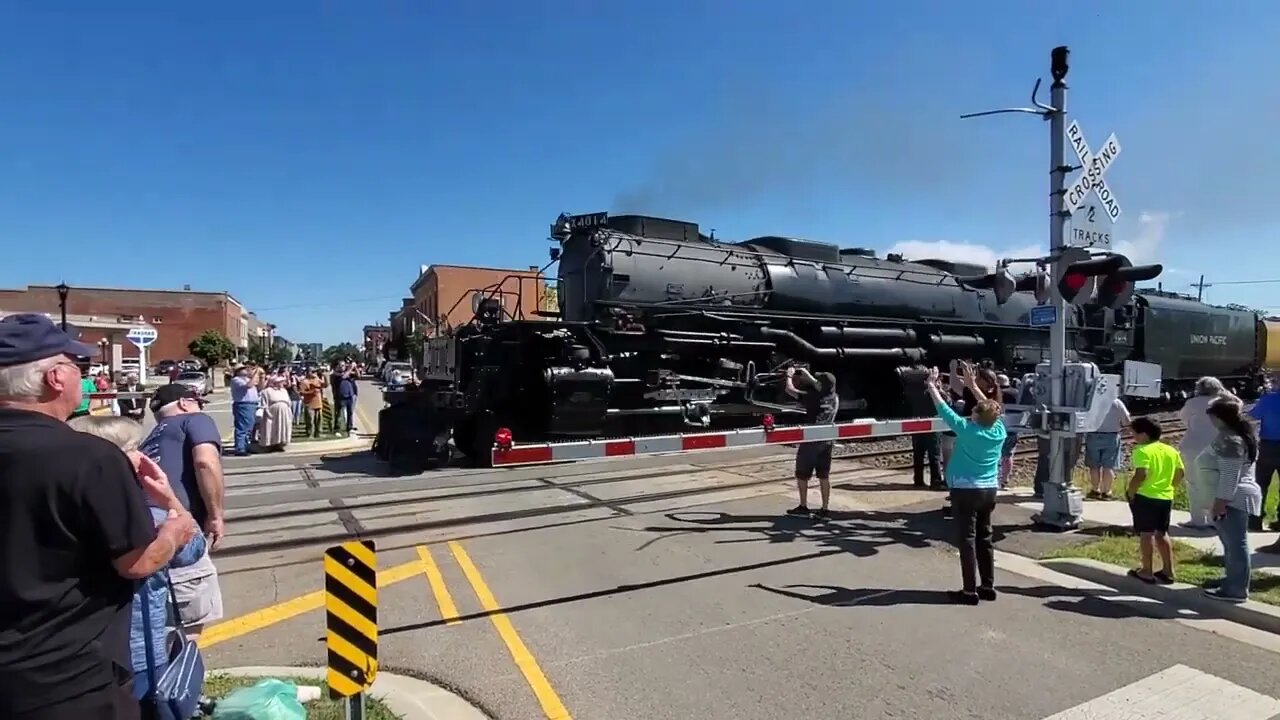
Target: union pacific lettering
1208,339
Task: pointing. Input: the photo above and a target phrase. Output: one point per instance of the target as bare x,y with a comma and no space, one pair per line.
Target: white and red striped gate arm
532,453
119,395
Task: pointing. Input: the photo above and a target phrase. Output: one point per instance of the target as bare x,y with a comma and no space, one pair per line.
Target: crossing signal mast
1065,399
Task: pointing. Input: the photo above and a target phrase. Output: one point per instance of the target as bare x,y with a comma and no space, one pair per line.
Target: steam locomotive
661,328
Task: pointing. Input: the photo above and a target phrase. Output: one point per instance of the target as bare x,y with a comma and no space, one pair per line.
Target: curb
410,698
319,447
312,447
1256,615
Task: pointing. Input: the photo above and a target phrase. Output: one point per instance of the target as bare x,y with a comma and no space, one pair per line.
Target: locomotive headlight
1120,338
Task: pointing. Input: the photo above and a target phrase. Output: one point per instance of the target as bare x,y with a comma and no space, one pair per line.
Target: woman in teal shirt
973,477
86,389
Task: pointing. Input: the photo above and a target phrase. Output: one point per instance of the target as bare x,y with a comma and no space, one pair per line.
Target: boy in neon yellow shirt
1157,470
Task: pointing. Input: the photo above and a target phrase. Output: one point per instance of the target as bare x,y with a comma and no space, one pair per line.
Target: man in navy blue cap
75,537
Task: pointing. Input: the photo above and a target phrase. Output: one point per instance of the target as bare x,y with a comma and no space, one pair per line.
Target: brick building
178,316
375,337
443,294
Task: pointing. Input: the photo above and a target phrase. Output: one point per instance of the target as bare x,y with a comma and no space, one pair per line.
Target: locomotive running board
535,453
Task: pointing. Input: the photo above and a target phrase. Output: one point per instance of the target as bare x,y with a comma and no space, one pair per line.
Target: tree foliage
258,354
212,348
549,299
341,351
415,344
282,354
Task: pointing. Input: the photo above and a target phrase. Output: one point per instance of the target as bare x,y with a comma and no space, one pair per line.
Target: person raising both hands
973,477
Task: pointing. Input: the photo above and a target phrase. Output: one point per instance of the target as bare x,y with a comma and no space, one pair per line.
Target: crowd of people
105,533
1226,460
267,404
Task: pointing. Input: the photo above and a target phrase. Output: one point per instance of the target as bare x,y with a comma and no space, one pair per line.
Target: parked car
164,367
196,381
391,367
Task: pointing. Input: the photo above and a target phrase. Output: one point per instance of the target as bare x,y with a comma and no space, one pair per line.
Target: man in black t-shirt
817,393
75,537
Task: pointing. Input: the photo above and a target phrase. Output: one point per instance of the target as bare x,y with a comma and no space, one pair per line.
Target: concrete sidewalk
1116,513
410,698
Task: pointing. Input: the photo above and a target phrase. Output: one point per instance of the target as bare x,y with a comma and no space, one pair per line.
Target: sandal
1148,579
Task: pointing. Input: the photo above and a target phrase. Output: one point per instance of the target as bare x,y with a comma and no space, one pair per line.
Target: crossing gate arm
535,453
120,395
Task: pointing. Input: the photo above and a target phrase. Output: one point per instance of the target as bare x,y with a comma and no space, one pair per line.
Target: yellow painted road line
528,665
260,619
268,616
448,610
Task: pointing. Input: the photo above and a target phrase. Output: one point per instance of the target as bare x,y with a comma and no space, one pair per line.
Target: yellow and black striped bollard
351,610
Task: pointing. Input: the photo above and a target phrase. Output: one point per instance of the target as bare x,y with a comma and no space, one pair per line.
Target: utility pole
1200,286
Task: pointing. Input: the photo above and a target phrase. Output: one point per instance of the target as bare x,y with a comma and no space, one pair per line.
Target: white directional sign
1090,228
1093,168
142,336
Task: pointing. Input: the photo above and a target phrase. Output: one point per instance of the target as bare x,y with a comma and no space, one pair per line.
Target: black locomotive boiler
661,328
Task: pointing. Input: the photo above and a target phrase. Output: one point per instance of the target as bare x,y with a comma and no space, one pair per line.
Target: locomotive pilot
817,393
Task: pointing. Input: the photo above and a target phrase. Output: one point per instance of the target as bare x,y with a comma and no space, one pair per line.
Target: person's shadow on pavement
837,596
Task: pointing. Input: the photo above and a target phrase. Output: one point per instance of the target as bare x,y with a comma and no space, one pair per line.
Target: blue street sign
1044,315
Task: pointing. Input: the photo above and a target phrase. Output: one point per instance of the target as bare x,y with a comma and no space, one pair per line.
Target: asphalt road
664,588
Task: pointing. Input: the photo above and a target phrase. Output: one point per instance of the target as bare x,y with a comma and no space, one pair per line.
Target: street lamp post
104,344
63,290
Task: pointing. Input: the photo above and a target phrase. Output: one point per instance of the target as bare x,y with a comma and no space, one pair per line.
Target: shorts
1102,451
1150,515
813,459
199,593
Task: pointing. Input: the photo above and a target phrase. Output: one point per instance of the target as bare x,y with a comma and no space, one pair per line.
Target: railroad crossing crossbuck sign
1094,167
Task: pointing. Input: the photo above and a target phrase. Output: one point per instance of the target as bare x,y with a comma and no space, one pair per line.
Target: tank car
1187,339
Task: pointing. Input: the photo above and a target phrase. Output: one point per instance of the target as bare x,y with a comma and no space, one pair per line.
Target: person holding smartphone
973,477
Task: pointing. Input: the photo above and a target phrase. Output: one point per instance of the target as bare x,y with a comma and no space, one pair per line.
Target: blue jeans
348,409
242,413
297,408
1233,531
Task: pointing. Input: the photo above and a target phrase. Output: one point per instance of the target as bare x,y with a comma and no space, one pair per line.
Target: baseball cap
172,393
27,337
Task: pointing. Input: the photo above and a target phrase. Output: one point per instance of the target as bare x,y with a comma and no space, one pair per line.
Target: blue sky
309,156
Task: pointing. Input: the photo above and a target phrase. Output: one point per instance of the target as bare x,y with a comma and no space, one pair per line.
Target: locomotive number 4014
1208,339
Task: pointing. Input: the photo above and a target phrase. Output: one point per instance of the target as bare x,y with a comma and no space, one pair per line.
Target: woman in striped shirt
1227,465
